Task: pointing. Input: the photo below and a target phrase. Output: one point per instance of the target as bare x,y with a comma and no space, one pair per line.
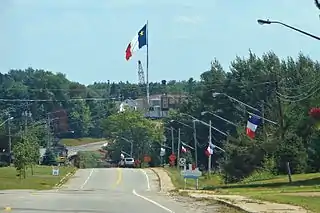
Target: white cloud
189,19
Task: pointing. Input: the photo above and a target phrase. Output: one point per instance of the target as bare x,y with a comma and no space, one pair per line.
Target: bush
49,159
88,159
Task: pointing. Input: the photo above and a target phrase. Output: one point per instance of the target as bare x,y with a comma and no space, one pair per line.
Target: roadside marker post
191,174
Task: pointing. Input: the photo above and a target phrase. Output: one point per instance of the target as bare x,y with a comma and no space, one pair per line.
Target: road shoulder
239,202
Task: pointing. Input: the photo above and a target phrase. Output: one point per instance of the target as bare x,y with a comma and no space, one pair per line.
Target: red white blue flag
252,125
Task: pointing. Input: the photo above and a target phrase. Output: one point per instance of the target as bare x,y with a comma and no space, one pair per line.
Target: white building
159,105
128,103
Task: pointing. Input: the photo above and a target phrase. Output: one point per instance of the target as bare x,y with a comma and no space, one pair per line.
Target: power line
303,94
50,100
301,99
58,89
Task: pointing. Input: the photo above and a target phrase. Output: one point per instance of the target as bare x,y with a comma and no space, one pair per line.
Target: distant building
128,103
160,104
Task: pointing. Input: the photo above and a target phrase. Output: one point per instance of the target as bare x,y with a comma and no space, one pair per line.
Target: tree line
49,107
39,98
283,90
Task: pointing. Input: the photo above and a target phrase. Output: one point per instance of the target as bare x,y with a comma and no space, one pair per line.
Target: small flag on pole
208,151
138,41
252,125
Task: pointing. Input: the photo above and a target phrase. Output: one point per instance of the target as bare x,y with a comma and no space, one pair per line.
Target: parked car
129,162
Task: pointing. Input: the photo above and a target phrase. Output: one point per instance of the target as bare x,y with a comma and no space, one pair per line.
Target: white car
129,162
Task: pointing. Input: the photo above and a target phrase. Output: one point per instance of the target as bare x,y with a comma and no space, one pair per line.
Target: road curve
85,147
105,190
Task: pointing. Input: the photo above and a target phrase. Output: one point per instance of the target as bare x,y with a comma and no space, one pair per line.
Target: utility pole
178,153
172,141
263,122
48,131
195,143
210,142
9,142
280,112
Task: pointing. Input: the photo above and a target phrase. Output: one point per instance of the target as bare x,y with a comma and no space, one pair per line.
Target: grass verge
41,180
303,191
80,141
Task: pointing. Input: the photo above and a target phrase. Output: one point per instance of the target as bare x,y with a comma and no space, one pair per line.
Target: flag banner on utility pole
138,41
252,125
208,151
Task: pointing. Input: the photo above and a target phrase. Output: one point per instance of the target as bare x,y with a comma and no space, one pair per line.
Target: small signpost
182,162
55,171
191,174
162,152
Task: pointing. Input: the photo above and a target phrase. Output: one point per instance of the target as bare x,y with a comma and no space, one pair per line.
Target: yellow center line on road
119,178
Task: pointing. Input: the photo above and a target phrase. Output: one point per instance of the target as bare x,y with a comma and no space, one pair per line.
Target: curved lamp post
129,141
221,118
215,94
9,133
263,22
4,122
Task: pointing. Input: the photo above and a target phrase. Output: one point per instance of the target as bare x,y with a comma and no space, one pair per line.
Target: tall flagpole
147,74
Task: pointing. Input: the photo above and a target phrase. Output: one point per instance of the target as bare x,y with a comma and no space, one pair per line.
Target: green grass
275,189
80,141
204,181
41,180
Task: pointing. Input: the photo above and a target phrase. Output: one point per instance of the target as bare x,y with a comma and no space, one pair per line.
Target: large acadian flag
139,40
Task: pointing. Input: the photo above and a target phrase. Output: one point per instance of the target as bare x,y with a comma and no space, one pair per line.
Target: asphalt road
107,190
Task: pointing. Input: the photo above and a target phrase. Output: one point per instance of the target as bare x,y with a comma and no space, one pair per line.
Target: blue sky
86,40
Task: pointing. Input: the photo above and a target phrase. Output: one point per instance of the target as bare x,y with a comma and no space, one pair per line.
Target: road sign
182,161
172,157
162,152
191,174
55,171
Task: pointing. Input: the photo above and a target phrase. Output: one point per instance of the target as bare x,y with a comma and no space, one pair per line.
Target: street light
9,133
262,22
186,125
194,137
9,119
210,134
206,124
179,141
172,139
131,143
215,94
229,122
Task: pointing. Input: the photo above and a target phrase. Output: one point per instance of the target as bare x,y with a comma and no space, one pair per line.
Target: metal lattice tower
141,73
